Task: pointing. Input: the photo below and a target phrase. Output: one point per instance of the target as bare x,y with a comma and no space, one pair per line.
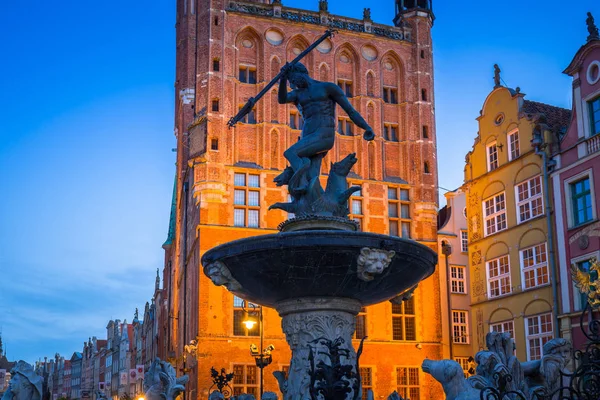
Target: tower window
424,94
214,144
247,74
390,132
215,105
422,53
426,168
345,127
216,21
296,120
390,95
216,65
249,118
346,86
425,132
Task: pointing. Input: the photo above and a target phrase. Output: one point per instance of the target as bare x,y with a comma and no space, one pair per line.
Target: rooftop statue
24,383
591,27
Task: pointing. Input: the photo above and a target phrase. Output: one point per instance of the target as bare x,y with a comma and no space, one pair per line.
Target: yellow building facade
510,268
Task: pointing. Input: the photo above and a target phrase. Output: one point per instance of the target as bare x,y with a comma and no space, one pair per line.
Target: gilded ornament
588,284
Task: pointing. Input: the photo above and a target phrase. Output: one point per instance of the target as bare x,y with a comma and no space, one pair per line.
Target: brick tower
227,51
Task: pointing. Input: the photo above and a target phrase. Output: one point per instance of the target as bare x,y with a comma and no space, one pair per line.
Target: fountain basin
273,268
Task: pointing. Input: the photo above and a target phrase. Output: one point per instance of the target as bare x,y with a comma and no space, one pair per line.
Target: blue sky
86,133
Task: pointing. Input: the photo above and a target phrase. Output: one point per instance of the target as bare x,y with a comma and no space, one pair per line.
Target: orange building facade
227,51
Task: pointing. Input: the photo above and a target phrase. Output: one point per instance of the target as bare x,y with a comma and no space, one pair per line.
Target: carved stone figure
372,262
323,5
219,274
161,381
317,103
497,83
367,14
450,374
591,27
24,383
546,372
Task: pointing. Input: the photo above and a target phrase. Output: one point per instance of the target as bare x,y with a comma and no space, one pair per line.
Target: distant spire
592,28
497,76
157,283
1,346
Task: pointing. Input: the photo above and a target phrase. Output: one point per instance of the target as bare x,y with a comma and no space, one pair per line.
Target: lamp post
263,357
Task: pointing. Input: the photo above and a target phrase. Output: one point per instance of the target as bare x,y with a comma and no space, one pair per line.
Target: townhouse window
458,281
460,327
361,324
345,127
538,331
403,320
245,379
346,86
529,199
216,65
390,132
356,206
498,271
399,212
366,381
249,118
492,156
246,200
215,105
247,74
296,120
581,201
504,326
494,211
464,241
594,109
407,382
239,329
581,299
535,266
466,363
390,95
514,150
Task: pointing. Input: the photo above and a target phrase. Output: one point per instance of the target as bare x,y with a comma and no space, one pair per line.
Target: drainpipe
446,251
185,221
536,142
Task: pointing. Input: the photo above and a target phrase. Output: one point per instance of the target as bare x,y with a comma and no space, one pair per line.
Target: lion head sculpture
372,262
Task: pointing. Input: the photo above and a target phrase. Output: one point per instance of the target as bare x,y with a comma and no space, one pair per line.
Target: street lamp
262,358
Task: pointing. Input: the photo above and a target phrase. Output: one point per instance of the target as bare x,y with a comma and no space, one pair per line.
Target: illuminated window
246,200
361,324
498,271
366,381
407,382
529,199
345,127
534,264
504,326
464,241
538,331
245,380
460,327
458,282
513,145
494,211
356,206
390,95
346,87
390,132
399,212
403,320
247,74
466,363
239,329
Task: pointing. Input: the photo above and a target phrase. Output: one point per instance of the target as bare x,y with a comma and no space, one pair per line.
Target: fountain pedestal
306,321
